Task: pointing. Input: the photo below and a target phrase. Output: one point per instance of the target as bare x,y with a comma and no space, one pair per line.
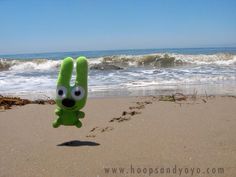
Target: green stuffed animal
71,99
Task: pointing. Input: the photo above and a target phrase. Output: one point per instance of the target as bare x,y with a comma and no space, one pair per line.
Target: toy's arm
58,112
80,114
57,122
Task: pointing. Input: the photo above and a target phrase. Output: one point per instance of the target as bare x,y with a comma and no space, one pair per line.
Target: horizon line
30,53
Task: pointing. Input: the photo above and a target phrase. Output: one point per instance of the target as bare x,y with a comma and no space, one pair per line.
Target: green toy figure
71,99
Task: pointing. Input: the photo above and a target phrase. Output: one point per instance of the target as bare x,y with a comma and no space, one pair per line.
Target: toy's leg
78,124
56,123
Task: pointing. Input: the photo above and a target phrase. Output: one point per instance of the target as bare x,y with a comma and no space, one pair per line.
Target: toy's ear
65,73
81,72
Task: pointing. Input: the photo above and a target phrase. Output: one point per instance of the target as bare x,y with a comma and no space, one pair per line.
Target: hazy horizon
144,49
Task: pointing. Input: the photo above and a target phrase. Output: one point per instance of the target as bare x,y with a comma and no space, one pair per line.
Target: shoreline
7,102
10,101
118,94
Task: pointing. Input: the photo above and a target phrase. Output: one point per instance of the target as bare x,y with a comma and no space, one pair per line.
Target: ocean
138,72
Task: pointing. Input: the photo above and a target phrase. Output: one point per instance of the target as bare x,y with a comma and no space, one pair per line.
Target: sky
33,26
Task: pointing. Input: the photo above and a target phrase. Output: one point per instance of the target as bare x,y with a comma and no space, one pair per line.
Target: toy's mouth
68,102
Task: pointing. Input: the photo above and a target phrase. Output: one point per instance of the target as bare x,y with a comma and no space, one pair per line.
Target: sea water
210,71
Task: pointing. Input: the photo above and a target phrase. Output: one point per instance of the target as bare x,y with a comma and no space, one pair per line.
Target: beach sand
151,135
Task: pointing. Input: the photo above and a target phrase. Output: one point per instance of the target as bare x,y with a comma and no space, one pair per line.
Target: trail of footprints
136,109
125,116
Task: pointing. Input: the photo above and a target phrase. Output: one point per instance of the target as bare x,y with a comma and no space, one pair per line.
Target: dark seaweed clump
8,102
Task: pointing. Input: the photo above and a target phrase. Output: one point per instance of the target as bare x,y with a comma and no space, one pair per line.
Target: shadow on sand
79,143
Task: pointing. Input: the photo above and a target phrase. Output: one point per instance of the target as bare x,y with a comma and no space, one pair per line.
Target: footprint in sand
140,105
119,119
93,132
125,116
132,113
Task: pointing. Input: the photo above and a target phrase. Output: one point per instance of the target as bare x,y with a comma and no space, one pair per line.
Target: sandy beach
141,135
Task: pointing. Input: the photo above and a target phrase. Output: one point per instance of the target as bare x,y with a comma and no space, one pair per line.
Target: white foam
32,65
199,59
218,59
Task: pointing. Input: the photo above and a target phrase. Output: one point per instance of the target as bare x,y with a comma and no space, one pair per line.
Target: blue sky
29,26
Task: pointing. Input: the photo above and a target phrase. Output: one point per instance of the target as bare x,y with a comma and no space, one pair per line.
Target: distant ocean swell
150,60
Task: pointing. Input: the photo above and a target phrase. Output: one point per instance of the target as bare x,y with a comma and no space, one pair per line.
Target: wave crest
168,60
36,64
143,60
149,60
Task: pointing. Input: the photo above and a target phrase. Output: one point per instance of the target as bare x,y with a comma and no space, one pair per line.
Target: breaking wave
36,64
150,60
169,60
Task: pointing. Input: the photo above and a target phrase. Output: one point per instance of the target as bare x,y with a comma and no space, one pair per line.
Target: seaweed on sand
8,102
173,98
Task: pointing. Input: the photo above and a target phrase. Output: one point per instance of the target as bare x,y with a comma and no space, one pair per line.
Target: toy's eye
77,93
61,92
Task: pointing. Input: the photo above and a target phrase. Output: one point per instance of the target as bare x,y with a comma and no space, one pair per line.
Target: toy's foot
78,124
55,124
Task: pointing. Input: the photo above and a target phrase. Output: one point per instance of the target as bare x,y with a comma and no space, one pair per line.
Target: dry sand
150,135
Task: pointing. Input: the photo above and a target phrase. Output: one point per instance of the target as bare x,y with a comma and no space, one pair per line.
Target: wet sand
132,133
